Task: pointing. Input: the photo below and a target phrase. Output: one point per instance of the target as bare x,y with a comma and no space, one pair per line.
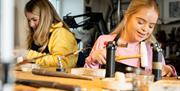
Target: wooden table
86,85
93,85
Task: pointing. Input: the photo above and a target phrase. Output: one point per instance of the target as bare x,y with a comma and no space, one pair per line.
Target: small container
28,67
142,82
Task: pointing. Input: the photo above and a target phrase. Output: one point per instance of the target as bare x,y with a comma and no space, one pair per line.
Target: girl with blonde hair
137,25
48,34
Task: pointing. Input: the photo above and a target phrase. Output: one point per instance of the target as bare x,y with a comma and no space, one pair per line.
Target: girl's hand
167,71
97,56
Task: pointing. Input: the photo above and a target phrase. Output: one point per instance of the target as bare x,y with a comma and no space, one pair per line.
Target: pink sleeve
174,73
98,45
150,57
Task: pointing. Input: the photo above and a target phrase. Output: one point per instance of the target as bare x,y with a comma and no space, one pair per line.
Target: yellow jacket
61,42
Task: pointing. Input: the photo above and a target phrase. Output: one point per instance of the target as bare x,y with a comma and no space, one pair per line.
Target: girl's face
33,20
141,24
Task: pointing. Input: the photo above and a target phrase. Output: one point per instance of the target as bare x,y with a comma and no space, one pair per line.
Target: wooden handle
119,58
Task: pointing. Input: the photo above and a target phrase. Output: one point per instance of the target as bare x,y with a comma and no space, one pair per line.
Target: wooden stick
63,56
59,74
38,84
119,58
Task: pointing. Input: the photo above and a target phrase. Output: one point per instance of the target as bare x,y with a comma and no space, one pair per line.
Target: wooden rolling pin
38,84
59,74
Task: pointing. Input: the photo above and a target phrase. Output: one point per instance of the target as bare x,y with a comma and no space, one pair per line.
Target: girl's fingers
169,74
166,71
102,59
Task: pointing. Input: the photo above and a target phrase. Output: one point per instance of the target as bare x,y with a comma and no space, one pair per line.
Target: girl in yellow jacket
48,34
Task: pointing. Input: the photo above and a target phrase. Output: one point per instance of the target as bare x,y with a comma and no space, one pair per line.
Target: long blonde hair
48,16
133,8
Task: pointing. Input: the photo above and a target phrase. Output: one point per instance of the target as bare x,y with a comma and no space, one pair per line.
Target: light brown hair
134,7
48,16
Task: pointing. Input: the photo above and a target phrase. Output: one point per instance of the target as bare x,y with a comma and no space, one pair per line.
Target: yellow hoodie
61,42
